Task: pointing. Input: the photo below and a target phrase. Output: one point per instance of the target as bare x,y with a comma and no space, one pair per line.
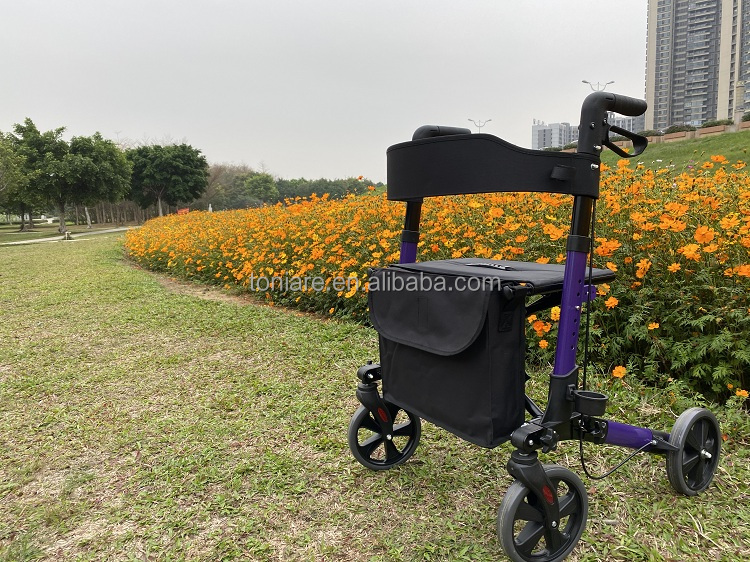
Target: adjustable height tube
410,234
574,282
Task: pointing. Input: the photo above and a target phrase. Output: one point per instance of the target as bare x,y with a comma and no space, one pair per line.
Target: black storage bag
453,357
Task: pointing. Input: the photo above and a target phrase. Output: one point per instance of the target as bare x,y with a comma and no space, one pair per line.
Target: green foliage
336,189
678,129
715,122
171,174
13,180
553,149
97,170
262,187
570,145
650,133
746,117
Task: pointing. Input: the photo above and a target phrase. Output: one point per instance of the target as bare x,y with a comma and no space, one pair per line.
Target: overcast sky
310,88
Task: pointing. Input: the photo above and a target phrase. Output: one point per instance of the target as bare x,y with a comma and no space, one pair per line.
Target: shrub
678,129
716,122
746,117
679,308
650,133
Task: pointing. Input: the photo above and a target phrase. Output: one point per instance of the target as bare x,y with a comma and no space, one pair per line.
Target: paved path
76,236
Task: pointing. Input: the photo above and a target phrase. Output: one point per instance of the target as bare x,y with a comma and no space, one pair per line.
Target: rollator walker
452,336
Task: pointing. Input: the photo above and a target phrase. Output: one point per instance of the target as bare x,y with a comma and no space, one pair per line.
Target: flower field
679,241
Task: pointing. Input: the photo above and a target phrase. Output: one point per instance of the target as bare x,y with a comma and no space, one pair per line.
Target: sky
310,88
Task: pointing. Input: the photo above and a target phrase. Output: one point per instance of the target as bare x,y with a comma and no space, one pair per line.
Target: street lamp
599,86
479,124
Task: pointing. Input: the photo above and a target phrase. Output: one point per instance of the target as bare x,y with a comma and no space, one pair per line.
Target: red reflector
548,495
383,415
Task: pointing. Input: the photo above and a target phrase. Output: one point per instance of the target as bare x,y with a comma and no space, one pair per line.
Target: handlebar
593,128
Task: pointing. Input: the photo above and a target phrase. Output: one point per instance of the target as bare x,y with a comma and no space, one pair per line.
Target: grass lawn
143,421
692,152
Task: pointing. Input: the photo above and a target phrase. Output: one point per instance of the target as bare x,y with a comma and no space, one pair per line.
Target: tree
97,170
262,187
171,174
13,181
43,155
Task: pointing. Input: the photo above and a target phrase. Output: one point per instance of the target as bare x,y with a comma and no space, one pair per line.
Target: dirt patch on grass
204,291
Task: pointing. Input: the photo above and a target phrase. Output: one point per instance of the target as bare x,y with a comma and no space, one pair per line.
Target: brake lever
639,143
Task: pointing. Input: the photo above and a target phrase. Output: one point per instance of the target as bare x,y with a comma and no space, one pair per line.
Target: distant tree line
232,186
93,179
42,173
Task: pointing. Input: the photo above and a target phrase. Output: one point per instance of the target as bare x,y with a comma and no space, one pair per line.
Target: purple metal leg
408,252
628,435
570,313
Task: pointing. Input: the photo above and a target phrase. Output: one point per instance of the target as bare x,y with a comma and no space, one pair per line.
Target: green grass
733,146
138,422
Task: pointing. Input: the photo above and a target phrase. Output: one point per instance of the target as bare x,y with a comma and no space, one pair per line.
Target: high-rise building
697,60
554,135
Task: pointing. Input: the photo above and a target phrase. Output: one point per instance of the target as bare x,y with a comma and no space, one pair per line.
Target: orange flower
742,393
619,371
653,325
704,235
675,267
611,266
690,251
554,313
643,266
611,302
543,344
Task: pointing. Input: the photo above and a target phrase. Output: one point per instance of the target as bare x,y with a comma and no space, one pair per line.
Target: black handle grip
593,131
428,131
625,105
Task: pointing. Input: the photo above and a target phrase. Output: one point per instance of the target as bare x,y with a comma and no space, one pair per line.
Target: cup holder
590,403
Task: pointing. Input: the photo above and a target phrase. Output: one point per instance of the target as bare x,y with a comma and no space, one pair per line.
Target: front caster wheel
381,452
697,436
525,535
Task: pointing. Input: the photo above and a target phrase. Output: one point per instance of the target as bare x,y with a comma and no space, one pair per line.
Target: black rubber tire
697,435
376,452
518,518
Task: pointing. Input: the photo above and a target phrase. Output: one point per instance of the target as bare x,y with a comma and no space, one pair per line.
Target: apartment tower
697,61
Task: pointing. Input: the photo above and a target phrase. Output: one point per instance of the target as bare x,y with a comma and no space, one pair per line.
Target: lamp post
599,86
479,124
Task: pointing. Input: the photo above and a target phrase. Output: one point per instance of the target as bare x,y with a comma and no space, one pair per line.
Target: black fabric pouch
451,348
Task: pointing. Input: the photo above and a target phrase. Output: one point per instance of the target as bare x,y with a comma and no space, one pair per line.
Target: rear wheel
526,536
381,452
697,436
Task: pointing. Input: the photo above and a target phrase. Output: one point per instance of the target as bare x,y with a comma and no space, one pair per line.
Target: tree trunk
61,207
23,219
158,201
88,216
78,221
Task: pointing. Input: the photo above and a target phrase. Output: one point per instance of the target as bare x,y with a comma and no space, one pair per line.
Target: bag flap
437,313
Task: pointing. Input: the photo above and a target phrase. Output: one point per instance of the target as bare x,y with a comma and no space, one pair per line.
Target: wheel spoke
369,445
527,512
689,461
568,504
403,429
529,537
695,475
391,452
554,540
369,422
696,436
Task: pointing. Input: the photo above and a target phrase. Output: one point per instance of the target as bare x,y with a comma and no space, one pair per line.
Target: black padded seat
539,277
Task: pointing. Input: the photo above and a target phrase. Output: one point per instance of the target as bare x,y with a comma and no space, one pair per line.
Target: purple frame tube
570,313
408,252
625,435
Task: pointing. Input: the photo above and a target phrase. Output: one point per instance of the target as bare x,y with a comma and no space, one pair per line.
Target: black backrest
480,163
